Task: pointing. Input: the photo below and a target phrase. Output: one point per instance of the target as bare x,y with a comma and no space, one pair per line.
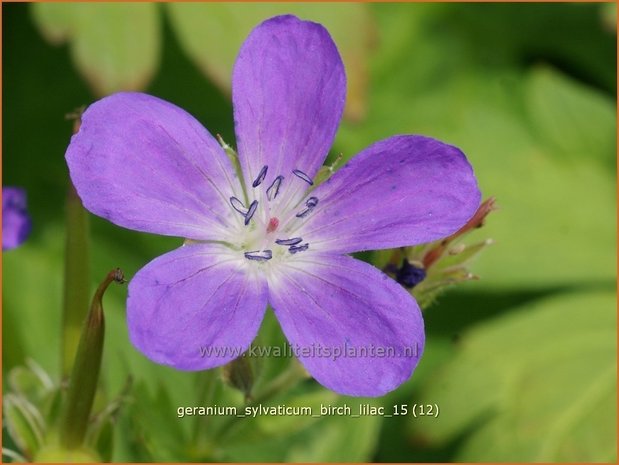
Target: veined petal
401,191
195,308
148,165
16,223
355,330
288,90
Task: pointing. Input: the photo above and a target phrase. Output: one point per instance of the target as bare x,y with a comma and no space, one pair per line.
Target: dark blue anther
293,241
238,206
301,175
409,275
251,211
311,202
259,255
261,175
298,248
273,189
309,206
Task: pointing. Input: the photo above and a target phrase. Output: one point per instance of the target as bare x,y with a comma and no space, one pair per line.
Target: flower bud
239,374
85,373
426,270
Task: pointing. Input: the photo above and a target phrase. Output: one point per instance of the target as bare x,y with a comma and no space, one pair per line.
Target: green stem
76,277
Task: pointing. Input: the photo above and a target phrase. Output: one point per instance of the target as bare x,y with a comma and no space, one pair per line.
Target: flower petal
195,299
146,164
16,223
401,191
288,90
333,308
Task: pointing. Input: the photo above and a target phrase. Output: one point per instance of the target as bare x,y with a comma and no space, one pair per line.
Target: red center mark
273,224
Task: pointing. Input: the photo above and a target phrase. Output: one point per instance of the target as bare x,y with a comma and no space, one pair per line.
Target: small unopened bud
85,372
239,374
410,274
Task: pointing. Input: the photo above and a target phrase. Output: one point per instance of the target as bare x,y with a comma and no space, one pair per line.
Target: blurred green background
521,363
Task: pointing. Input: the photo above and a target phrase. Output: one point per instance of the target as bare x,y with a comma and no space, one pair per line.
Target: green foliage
571,118
114,45
539,384
24,423
212,33
532,374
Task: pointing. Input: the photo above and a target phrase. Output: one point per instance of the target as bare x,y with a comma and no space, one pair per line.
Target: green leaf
31,382
151,423
24,423
339,439
539,384
115,46
608,12
12,456
39,311
307,438
261,427
212,33
554,218
100,434
53,20
570,117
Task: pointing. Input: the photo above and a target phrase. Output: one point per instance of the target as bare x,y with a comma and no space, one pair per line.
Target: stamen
273,189
292,241
251,211
259,255
303,213
298,248
311,202
261,176
301,175
238,205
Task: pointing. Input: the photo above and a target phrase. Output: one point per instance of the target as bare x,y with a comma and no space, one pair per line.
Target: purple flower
267,235
16,223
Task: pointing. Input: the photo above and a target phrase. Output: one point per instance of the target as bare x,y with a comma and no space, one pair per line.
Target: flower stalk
76,274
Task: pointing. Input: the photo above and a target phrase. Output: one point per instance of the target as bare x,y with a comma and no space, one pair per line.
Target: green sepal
234,159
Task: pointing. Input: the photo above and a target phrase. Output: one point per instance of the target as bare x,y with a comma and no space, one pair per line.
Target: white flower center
267,233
